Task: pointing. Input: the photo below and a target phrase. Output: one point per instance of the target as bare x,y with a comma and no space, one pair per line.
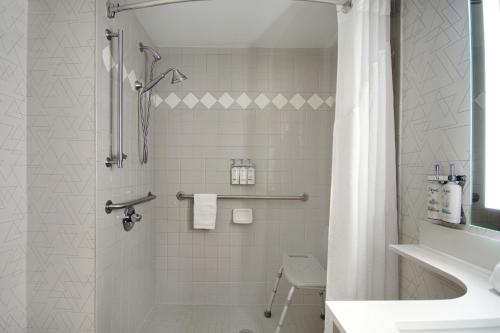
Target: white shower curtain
363,209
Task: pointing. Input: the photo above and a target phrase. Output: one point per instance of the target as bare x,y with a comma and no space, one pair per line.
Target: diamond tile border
227,100
243,101
208,100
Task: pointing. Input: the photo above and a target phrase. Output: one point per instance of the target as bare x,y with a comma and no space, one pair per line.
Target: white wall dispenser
434,193
242,172
444,196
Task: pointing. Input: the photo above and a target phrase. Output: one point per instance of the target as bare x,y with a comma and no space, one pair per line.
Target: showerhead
177,77
156,55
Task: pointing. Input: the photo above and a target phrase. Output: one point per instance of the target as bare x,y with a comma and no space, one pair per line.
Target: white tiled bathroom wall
124,259
285,126
435,122
61,166
13,201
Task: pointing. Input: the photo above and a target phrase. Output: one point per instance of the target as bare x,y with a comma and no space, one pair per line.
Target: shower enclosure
264,93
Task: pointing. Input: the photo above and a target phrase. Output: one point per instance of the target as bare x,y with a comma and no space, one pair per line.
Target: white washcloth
205,211
495,278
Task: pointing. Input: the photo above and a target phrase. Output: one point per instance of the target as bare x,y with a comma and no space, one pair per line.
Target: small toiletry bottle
243,173
451,208
251,173
434,193
235,172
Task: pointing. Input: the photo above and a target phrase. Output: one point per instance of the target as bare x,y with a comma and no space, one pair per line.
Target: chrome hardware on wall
130,218
114,8
303,197
118,160
110,206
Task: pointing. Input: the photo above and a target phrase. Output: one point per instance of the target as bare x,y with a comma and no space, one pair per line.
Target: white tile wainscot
477,309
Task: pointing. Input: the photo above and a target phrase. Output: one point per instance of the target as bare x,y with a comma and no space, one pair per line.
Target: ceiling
241,24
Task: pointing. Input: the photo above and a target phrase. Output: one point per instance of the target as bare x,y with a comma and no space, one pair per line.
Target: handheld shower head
156,55
177,77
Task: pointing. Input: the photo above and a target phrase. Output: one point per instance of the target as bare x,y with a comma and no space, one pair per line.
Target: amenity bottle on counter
434,196
451,207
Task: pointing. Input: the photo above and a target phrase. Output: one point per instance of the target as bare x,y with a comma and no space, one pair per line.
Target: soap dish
242,216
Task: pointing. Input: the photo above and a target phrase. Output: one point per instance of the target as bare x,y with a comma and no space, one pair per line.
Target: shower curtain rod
114,7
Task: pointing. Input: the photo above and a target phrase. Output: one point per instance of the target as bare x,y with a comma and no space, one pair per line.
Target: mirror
485,92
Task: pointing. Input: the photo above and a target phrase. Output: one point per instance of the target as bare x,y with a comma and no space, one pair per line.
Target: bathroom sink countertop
479,303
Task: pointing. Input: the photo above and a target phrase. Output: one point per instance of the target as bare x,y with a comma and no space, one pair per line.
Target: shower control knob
136,218
130,217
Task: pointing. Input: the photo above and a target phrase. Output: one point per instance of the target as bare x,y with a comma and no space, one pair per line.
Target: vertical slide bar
120,99
110,161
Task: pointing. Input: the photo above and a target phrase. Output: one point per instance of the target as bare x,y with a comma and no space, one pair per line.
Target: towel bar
302,197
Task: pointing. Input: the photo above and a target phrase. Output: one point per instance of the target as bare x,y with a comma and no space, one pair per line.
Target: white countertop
480,301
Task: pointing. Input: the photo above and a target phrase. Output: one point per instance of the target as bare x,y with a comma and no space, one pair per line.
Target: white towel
205,211
495,278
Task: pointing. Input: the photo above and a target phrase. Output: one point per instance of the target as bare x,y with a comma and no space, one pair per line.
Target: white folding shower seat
303,272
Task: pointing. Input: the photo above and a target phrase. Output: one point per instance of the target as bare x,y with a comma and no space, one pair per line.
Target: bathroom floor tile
230,319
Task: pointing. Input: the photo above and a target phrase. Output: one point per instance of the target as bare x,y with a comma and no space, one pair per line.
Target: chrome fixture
156,55
145,103
118,160
346,4
302,197
177,77
110,206
113,7
130,218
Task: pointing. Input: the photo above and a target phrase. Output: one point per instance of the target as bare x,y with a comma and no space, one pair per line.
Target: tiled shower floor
229,319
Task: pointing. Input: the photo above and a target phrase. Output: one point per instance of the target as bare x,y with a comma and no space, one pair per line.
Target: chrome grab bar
303,197
118,160
110,206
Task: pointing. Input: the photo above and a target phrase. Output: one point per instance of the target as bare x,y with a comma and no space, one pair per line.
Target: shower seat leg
285,309
267,313
323,301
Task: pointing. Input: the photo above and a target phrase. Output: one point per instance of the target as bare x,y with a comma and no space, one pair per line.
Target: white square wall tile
244,101
297,101
125,73
190,100
157,100
106,58
315,101
208,100
329,101
226,100
262,101
132,77
280,101
172,100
